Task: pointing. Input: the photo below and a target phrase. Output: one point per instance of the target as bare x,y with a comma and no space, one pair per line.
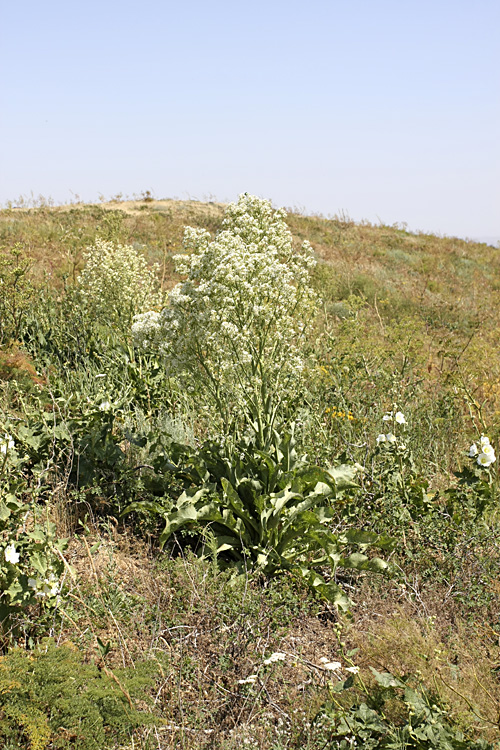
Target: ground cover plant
249,493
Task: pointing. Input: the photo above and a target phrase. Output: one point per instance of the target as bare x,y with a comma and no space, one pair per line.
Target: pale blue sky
384,109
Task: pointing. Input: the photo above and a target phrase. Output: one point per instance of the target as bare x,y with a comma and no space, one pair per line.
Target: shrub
51,696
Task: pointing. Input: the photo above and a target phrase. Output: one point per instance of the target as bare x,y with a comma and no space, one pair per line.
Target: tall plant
116,283
233,330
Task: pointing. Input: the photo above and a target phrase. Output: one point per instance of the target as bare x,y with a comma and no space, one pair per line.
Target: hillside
386,630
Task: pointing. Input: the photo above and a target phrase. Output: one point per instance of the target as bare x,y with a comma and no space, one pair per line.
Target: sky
383,110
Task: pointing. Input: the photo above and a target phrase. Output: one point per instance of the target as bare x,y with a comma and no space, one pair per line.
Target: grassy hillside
180,645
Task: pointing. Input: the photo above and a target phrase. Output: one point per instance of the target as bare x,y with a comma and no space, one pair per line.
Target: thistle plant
116,283
234,328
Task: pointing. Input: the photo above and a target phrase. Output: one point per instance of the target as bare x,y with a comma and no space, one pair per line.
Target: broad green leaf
338,687
224,547
4,511
15,590
280,500
343,476
329,590
386,679
239,509
362,562
365,538
39,562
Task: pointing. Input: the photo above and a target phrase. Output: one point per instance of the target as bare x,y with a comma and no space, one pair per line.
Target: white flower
250,680
487,448
353,670
381,438
473,450
400,418
48,590
387,417
7,444
277,656
10,554
117,283
105,406
244,306
332,666
485,459
390,437
146,329
484,441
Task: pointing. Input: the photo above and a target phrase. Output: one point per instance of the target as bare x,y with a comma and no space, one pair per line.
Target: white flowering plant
478,487
233,331
399,482
116,283
31,557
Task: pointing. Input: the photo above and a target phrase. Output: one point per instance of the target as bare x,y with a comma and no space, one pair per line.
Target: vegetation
248,495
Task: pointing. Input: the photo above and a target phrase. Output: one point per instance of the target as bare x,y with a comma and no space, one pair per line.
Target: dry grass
207,634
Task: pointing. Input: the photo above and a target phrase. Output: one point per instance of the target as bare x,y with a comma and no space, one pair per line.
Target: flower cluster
146,329
238,320
6,444
45,587
390,438
335,413
277,656
116,283
398,417
484,454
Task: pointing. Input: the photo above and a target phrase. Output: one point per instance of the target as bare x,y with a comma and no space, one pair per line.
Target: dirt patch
168,205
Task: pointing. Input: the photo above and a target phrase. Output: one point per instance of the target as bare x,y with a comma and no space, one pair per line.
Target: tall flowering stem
116,283
234,329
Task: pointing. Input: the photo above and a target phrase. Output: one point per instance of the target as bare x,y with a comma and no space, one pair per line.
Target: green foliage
59,331
269,512
31,563
83,439
51,698
16,292
391,715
